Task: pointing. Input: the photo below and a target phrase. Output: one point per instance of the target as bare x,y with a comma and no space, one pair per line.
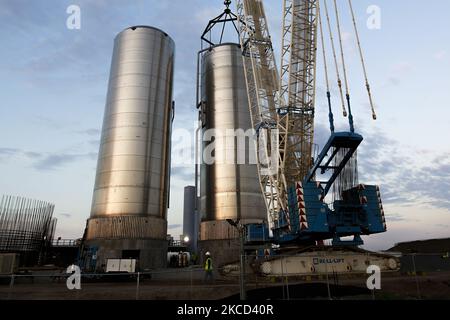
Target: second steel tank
229,185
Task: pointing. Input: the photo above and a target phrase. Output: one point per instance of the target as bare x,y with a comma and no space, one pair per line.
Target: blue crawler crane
291,248
307,201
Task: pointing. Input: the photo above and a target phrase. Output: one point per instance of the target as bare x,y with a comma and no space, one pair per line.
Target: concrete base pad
152,253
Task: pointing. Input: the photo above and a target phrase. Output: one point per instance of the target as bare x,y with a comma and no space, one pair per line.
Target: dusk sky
54,81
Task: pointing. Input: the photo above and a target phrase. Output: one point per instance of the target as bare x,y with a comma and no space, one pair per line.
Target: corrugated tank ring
126,227
221,229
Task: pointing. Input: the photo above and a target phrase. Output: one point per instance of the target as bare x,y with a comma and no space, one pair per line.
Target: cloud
8,152
402,67
183,173
49,122
54,161
406,177
398,71
45,161
174,226
394,80
94,143
65,215
67,62
11,153
440,55
90,132
432,182
321,134
24,14
55,56
32,154
395,217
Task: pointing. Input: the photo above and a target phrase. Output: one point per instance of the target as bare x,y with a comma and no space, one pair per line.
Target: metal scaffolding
26,227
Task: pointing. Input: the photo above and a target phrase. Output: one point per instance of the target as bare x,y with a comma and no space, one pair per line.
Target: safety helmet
207,253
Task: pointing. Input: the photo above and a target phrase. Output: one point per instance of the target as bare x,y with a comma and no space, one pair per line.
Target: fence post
415,275
137,285
256,277
287,283
77,294
373,290
282,277
190,274
243,294
326,272
11,286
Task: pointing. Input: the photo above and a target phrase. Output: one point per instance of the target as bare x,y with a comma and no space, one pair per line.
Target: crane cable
347,93
374,115
335,59
330,111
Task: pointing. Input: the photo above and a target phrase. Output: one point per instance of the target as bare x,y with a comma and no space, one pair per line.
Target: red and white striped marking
301,206
381,207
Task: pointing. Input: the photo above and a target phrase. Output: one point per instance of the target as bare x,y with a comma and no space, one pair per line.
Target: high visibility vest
208,264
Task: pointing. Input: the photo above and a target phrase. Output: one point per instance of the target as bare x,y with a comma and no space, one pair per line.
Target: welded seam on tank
236,124
208,201
163,176
168,141
147,176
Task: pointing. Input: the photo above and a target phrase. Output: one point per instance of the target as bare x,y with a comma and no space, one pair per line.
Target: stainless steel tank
228,190
132,182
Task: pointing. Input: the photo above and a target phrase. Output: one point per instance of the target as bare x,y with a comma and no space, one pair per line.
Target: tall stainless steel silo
229,189
129,206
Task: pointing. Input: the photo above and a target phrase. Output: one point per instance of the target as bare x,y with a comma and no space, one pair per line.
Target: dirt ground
394,286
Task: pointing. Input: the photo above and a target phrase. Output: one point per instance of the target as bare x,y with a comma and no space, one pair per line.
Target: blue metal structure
358,211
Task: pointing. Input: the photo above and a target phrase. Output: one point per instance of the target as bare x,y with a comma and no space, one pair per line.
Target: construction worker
208,267
180,259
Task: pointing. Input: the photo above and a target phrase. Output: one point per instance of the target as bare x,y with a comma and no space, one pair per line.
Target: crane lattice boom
281,101
262,86
297,86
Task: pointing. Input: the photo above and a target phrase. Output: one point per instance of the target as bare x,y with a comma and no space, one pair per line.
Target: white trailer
121,265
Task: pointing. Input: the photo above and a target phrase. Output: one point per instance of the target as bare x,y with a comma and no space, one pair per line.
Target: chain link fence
420,276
